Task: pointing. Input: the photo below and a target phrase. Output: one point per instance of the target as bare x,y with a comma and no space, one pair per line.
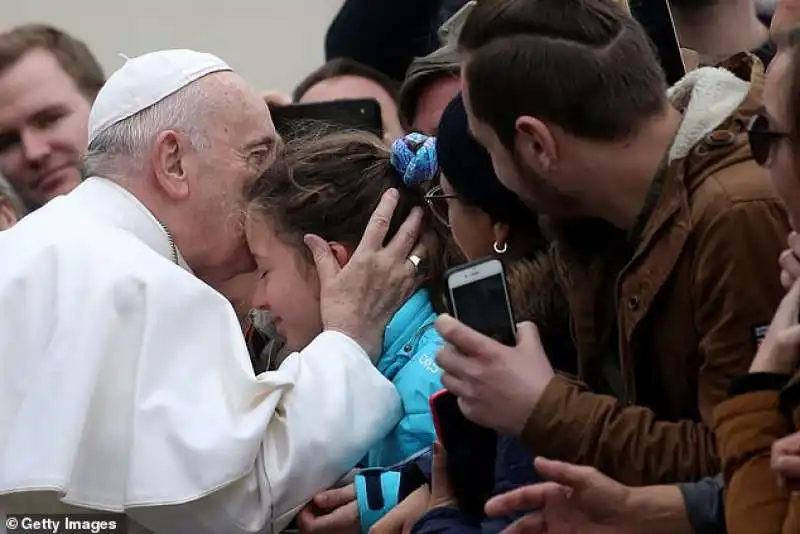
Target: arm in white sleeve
335,409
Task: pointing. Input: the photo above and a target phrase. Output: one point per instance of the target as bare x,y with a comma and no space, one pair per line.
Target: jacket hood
708,96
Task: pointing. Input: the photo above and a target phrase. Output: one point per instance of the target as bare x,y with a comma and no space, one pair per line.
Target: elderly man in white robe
125,382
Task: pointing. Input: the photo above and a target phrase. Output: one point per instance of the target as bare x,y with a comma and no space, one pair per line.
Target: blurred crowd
211,326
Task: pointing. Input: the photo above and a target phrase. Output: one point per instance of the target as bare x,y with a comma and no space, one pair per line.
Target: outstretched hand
359,299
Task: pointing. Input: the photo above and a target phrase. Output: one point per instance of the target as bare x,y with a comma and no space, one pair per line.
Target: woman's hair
329,184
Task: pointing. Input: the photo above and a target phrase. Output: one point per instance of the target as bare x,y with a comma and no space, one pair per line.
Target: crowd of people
210,328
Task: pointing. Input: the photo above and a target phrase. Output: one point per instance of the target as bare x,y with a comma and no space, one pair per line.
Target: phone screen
471,453
656,18
483,306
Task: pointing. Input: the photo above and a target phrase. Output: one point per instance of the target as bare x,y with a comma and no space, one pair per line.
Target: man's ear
169,164
340,252
534,143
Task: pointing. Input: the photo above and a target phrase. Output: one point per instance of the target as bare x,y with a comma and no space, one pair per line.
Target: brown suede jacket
681,307
746,426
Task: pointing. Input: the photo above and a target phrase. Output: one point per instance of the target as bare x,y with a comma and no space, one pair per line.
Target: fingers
528,334
407,235
440,481
305,519
343,519
530,524
525,498
378,225
324,259
465,339
334,498
789,261
569,475
785,458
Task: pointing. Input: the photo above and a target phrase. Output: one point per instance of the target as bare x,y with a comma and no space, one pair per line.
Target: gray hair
125,146
7,192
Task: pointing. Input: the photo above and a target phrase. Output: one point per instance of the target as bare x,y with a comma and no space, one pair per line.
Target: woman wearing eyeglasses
758,427
487,219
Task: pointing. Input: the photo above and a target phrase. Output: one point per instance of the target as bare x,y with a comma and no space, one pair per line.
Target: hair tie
414,158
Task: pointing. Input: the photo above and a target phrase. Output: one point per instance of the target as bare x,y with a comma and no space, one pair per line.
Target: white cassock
126,385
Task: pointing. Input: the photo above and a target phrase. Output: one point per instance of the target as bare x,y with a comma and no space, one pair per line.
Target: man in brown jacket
667,234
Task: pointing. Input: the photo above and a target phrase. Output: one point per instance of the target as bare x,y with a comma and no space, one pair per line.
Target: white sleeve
337,407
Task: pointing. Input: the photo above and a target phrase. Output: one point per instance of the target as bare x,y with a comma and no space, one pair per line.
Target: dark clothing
704,502
513,469
385,35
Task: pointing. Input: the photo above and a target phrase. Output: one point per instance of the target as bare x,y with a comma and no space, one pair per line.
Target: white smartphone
478,296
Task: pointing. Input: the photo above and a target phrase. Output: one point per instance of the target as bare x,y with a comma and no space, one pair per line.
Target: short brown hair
329,184
584,65
446,61
345,67
72,55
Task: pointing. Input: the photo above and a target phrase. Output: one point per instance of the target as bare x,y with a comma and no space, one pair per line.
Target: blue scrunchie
414,158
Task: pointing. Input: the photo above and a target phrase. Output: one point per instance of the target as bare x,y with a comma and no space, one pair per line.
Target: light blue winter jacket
409,360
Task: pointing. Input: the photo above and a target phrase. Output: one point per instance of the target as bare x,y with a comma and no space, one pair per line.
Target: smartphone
357,114
656,18
477,293
471,454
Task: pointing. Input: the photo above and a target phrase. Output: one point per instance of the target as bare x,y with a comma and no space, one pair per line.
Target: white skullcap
146,80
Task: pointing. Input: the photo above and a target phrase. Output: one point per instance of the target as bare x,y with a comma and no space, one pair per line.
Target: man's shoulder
740,187
82,257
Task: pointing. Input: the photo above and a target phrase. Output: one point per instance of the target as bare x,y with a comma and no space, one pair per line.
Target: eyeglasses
762,139
436,200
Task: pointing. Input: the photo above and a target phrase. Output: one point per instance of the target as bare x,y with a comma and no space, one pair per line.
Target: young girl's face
288,286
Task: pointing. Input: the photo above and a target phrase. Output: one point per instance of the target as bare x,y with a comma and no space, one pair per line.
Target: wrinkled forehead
239,112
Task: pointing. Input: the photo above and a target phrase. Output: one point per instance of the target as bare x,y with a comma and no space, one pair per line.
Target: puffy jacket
409,361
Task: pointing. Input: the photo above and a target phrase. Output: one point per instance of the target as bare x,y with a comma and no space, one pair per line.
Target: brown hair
441,63
345,67
72,55
329,184
584,65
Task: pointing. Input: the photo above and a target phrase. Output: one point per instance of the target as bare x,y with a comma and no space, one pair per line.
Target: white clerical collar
119,206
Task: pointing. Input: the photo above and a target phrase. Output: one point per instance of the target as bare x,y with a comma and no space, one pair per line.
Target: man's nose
35,147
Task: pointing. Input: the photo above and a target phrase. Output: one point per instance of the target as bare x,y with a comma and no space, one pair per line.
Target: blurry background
273,43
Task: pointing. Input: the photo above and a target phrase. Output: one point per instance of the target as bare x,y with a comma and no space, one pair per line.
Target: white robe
126,385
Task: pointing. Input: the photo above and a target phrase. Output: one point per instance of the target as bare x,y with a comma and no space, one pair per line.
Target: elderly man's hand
497,386
359,299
